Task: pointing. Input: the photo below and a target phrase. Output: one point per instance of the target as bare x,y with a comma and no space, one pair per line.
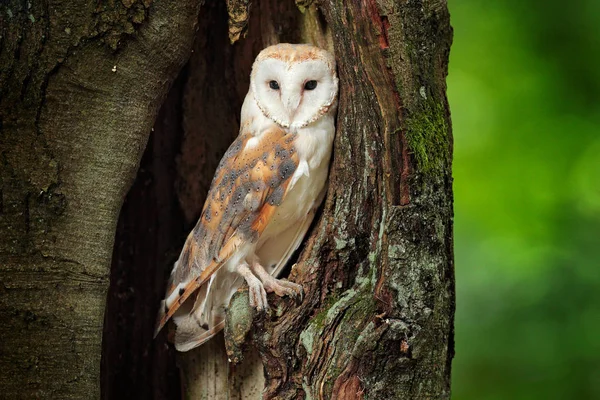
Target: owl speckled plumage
263,196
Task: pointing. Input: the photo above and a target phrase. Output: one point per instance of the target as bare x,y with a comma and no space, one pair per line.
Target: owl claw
257,295
280,287
283,288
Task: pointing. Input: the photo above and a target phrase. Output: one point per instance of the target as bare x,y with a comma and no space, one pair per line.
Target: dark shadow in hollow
196,124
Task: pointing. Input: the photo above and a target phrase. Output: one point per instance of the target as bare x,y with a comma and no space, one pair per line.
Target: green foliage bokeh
524,91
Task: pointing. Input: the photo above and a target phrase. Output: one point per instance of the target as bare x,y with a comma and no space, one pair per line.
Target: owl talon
280,287
257,295
283,288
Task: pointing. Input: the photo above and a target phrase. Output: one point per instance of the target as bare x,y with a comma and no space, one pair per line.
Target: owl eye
274,85
310,85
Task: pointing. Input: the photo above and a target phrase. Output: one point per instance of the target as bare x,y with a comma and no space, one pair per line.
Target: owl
263,196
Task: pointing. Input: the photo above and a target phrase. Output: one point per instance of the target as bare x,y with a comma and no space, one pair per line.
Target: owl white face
294,85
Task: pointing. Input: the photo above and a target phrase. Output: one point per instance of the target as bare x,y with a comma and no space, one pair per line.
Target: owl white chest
314,145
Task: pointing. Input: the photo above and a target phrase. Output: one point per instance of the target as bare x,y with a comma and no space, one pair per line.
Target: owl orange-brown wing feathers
250,183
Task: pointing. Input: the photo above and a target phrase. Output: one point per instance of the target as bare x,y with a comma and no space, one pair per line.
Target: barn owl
263,196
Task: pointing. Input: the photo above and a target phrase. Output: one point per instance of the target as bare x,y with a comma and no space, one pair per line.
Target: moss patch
427,137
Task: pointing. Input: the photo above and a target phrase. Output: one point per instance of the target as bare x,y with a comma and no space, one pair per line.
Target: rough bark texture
81,82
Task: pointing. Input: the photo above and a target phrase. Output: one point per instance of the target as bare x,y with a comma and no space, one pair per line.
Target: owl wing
251,181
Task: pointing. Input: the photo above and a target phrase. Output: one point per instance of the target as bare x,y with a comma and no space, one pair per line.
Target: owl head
294,84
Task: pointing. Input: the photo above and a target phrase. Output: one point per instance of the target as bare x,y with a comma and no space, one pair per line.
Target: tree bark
81,83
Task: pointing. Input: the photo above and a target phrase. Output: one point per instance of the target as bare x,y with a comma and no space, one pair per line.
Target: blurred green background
524,90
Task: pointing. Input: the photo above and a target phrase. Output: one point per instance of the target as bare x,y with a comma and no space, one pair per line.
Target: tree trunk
81,83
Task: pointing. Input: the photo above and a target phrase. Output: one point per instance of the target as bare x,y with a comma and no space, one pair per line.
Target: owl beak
291,102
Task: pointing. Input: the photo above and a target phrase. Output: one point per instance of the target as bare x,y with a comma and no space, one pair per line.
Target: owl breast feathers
263,196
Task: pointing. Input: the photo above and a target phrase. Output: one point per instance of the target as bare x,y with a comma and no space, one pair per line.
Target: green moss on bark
427,137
